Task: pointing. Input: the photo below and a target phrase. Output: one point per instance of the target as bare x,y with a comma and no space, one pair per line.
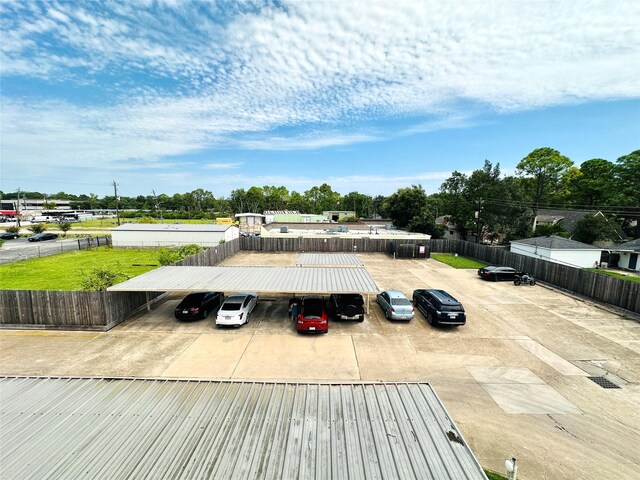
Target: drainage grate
603,382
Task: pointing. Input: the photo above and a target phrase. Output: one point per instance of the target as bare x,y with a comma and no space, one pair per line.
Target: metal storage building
88,428
172,234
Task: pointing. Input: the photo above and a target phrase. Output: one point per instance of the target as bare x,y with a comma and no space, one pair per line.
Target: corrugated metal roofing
556,243
85,428
252,279
172,227
328,259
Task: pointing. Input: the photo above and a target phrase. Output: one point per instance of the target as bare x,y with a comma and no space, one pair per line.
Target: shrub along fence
602,288
79,310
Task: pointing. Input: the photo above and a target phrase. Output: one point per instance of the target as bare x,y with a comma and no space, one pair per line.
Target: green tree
359,202
322,198
545,168
627,179
594,228
169,256
37,228
406,204
594,184
64,227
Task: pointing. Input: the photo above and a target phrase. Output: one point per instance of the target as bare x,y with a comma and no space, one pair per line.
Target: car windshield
400,301
194,297
231,306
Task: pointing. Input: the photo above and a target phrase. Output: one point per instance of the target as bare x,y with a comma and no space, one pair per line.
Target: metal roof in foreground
319,259
86,428
321,280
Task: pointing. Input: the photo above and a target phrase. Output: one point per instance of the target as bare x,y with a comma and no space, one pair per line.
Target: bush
12,229
64,227
169,256
147,219
37,228
101,278
348,219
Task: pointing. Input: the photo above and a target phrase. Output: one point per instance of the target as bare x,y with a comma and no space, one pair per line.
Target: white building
250,222
559,250
172,234
629,253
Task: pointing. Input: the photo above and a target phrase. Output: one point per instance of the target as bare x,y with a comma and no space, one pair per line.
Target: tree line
483,204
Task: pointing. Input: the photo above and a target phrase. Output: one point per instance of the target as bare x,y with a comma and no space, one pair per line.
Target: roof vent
603,382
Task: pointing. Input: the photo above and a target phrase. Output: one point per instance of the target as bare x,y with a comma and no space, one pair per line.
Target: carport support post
148,302
367,305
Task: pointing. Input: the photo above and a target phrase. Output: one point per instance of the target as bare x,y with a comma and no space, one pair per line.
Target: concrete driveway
515,378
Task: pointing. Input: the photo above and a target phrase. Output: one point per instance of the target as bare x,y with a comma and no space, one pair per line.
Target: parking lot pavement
514,378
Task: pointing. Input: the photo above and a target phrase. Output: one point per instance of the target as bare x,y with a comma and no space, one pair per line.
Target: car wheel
516,282
205,313
361,320
532,282
386,315
429,318
494,277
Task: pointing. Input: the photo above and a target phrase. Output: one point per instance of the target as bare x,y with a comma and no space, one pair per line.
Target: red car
312,316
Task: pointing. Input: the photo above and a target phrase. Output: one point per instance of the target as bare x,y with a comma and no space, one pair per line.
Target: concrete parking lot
21,249
515,378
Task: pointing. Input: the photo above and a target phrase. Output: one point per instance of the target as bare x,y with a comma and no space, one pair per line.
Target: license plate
312,328
227,318
185,311
453,315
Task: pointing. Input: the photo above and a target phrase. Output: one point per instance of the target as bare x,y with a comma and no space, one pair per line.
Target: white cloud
222,166
196,75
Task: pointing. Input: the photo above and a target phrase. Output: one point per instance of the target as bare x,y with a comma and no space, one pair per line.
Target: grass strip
457,262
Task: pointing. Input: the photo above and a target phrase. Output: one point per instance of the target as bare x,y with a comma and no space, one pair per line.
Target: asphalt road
21,249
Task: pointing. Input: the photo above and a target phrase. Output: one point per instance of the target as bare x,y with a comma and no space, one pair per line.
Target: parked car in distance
8,236
312,316
347,306
439,307
395,305
494,273
39,237
198,305
236,308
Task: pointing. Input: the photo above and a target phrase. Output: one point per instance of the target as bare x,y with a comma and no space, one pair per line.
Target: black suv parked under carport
439,307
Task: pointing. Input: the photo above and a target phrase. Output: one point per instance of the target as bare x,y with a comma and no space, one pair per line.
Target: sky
367,96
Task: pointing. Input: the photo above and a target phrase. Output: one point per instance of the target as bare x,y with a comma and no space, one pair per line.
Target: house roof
568,218
632,245
171,227
193,429
554,242
239,215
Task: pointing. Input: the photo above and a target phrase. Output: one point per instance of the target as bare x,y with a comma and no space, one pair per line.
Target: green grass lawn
112,223
457,262
65,271
494,476
630,278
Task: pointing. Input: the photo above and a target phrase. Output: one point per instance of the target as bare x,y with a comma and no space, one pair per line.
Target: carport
262,280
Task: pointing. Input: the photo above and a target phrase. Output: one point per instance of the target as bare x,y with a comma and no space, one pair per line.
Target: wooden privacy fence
69,310
211,256
603,288
89,310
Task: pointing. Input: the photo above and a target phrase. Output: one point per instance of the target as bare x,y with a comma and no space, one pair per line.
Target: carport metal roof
187,429
299,280
319,259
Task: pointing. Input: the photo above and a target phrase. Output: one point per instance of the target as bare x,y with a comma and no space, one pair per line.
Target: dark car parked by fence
494,273
439,307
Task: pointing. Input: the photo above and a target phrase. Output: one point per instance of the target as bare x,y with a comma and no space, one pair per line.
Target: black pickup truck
347,306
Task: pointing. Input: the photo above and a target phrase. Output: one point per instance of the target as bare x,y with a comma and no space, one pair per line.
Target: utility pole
18,209
157,205
478,219
115,193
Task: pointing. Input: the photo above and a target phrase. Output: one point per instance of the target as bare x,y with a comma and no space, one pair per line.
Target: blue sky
366,96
